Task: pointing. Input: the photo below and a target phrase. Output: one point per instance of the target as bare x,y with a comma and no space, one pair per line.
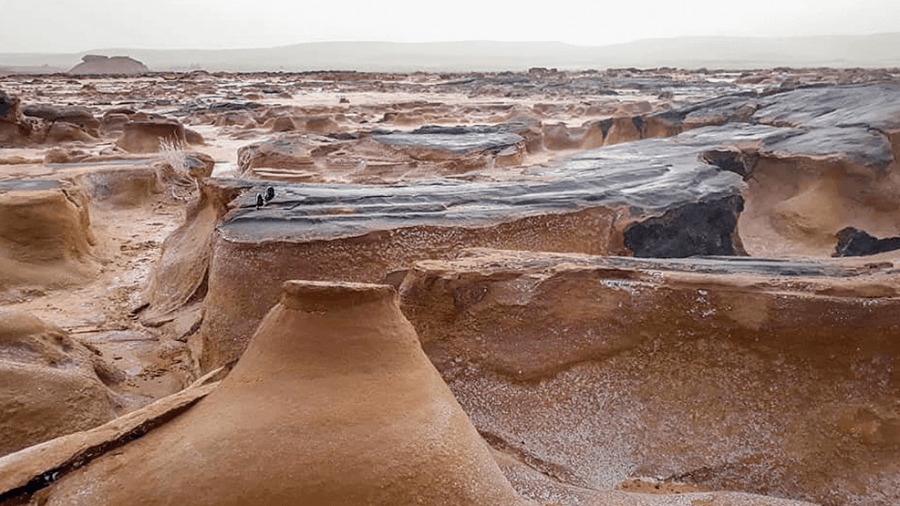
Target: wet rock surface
855,243
711,380
52,384
670,321
707,228
457,140
144,136
80,116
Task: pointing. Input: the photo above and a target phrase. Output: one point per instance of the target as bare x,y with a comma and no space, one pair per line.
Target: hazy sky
79,25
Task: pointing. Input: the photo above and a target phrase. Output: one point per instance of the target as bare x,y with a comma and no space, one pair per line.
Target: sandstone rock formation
14,129
99,64
334,403
748,359
45,234
49,384
181,275
657,197
776,377
144,136
80,116
383,156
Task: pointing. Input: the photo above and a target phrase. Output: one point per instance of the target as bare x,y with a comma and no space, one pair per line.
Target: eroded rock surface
45,234
386,427
770,377
14,129
144,136
50,384
595,379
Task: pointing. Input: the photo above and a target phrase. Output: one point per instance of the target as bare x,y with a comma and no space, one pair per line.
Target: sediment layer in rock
45,233
764,376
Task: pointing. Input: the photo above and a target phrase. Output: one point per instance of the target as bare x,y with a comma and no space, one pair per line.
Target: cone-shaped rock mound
333,402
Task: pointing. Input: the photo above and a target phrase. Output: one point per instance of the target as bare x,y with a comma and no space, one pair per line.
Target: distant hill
99,64
882,50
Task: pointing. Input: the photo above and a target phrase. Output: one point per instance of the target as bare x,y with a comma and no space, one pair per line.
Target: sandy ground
98,313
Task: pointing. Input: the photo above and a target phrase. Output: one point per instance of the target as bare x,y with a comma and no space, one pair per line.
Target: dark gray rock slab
680,182
852,242
702,228
29,184
9,106
456,139
651,176
850,121
81,116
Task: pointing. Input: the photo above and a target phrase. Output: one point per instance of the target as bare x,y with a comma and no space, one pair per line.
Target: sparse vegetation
176,169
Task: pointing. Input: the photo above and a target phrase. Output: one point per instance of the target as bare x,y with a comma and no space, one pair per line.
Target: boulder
281,124
45,234
14,129
9,107
113,122
57,133
123,186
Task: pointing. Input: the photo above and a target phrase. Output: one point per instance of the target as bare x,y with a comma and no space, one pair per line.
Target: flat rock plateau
620,287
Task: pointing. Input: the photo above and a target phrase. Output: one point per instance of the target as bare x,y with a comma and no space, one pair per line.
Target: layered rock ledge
766,376
731,182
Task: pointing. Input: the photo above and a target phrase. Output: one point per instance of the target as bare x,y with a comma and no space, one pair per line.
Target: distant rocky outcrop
96,64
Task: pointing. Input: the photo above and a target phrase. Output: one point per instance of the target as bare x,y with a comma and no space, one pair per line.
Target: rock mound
45,233
97,64
49,385
80,116
333,403
14,128
144,136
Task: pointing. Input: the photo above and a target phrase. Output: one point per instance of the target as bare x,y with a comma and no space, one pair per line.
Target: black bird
270,193
259,201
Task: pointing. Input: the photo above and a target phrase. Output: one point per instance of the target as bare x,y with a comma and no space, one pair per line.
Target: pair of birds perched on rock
263,200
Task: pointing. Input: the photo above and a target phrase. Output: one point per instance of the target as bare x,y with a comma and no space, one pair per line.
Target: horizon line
465,41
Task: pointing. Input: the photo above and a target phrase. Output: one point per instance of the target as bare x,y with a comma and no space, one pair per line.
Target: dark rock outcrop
80,116
852,242
9,107
701,228
455,139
